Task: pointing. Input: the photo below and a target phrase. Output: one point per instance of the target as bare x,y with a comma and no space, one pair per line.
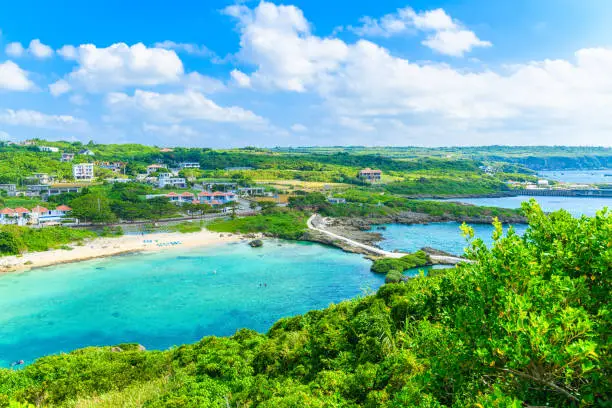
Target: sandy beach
103,247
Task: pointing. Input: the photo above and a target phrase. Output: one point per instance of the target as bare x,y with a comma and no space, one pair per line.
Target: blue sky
220,73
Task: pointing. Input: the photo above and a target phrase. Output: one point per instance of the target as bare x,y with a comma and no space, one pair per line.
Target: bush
386,265
277,223
9,243
15,239
393,276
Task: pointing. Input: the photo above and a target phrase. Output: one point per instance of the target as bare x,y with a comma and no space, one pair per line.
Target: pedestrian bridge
438,259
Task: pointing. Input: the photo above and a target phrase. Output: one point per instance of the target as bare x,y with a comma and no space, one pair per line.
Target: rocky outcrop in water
256,243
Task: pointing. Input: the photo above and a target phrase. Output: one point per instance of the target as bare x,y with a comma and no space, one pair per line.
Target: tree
308,201
93,207
9,243
160,207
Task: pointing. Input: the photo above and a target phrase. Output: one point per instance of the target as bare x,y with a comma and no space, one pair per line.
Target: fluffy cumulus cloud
240,78
359,91
31,118
366,87
120,65
278,40
13,78
179,107
40,50
36,49
60,87
14,49
444,35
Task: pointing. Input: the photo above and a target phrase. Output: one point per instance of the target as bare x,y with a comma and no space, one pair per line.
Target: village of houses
214,194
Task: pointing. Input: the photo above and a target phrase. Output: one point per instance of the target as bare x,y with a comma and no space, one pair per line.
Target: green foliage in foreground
393,276
15,239
386,265
275,223
528,324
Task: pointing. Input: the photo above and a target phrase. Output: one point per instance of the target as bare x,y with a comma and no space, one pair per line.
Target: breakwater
595,193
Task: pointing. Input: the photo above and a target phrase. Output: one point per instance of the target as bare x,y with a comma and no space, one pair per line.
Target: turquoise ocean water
440,235
174,297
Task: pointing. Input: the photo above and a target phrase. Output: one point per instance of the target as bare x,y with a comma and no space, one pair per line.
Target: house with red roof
370,176
37,216
184,197
216,198
17,216
8,216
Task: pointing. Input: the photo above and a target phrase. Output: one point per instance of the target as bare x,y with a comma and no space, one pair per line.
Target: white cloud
454,43
119,66
241,79
277,39
78,100
179,107
171,130
68,52
14,50
203,83
31,118
365,87
193,49
40,50
36,48
355,124
444,34
13,78
299,128
59,88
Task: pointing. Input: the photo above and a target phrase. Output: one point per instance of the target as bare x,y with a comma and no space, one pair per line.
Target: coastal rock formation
256,243
316,236
408,217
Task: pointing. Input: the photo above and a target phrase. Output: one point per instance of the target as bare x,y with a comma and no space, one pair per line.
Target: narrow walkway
439,259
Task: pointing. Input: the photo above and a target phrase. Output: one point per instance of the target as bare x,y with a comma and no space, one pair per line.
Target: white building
190,165
543,183
41,215
155,168
86,152
336,200
67,157
49,149
166,179
83,171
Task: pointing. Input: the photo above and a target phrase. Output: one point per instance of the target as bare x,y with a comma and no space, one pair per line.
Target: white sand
102,247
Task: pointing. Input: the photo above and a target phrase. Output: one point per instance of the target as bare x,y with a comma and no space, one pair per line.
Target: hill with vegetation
527,324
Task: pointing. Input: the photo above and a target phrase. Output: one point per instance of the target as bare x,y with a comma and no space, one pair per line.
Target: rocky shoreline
360,228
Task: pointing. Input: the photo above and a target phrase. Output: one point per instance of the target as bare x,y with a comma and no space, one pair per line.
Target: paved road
440,259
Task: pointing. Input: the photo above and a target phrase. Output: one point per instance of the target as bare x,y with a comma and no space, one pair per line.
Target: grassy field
277,223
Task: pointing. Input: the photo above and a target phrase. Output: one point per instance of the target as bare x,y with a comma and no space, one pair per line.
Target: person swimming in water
18,362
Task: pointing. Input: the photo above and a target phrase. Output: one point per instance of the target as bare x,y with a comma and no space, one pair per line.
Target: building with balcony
83,171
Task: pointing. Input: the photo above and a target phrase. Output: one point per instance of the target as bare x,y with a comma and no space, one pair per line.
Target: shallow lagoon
440,235
174,297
